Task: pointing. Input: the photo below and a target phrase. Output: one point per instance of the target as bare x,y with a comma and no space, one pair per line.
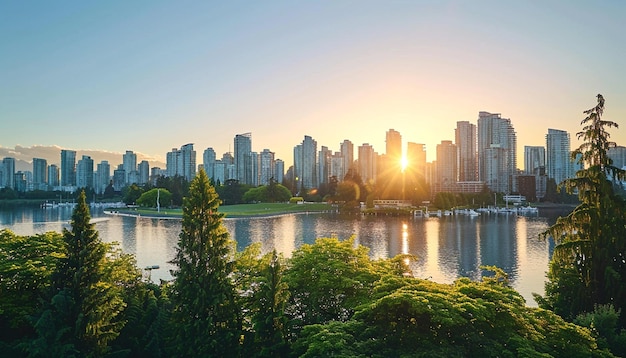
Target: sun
404,162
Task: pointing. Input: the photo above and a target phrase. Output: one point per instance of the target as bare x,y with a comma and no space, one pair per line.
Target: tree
269,320
149,198
588,267
85,307
26,264
132,193
204,310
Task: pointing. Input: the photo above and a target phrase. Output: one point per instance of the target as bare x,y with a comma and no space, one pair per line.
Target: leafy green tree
132,193
203,296
149,198
26,265
327,281
232,192
85,308
588,267
267,194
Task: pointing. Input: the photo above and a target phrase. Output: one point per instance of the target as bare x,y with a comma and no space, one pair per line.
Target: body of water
446,248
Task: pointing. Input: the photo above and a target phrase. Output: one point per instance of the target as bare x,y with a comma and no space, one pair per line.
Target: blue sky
149,76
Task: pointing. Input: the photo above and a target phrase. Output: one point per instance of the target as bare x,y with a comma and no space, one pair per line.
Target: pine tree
588,267
270,298
204,317
85,307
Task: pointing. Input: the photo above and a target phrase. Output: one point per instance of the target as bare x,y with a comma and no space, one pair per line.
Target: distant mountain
24,156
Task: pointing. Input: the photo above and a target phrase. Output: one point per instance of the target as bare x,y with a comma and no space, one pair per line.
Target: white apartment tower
497,152
534,160
129,164
559,165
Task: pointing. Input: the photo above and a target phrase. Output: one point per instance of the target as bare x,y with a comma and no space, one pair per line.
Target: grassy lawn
260,209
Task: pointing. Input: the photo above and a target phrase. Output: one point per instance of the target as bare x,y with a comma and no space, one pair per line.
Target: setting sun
404,162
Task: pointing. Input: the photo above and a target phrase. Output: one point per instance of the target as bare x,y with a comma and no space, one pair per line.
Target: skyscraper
393,151
559,165
208,160
305,159
84,172
618,156
242,150
40,174
467,158
323,165
367,163
497,152
534,160
181,162
68,167
129,161
267,167
103,176
347,152
143,169
8,173
446,165
53,176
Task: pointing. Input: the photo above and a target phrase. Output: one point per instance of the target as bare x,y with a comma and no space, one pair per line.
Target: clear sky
149,76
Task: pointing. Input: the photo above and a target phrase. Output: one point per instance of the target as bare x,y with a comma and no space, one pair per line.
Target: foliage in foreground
328,299
588,267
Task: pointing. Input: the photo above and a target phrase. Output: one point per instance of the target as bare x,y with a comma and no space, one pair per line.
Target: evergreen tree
85,307
588,267
204,312
269,318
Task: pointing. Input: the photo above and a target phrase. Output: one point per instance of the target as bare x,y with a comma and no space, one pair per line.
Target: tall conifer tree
86,306
204,313
588,267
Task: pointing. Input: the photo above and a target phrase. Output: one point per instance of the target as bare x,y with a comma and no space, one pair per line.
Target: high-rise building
279,170
54,176
416,160
119,178
8,173
618,156
68,167
559,165
242,161
40,174
467,155
446,170
393,152
497,152
367,163
336,167
323,165
143,169
534,160
181,162
267,167
208,160
84,172
347,152
129,162
305,159
103,176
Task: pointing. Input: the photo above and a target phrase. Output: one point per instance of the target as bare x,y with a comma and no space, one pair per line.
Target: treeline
70,295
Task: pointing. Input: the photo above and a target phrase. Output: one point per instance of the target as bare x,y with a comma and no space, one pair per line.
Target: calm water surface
447,248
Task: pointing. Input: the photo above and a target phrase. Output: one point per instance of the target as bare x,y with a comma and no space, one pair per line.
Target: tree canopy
588,267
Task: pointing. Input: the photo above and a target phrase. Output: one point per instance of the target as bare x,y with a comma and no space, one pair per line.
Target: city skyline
116,76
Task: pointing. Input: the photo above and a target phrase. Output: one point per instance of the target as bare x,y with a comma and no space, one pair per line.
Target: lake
446,248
